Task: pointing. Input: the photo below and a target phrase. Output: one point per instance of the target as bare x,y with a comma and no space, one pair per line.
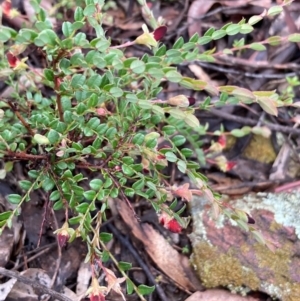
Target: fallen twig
35,284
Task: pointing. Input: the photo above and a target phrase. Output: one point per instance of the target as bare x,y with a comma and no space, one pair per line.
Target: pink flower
96,292
97,297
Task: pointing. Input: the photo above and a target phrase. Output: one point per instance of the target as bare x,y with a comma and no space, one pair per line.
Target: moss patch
224,269
216,269
260,149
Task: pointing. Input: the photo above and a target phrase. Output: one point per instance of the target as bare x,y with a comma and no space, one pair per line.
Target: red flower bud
192,100
159,32
174,226
12,60
63,237
63,234
169,223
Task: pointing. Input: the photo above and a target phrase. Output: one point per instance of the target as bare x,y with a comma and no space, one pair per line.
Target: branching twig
23,156
247,121
35,284
247,74
20,117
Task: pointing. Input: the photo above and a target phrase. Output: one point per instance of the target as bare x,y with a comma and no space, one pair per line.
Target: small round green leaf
53,136
257,46
171,157
14,198
178,140
96,184
173,76
233,29
137,67
145,290
275,10
138,139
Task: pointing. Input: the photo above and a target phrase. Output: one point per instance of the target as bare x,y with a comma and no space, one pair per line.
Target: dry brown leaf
197,9
199,72
173,264
218,295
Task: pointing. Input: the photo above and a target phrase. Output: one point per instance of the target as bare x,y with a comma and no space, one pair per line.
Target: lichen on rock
226,256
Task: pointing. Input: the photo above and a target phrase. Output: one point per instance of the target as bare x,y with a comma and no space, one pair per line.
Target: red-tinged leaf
12,60
268,105
160,32
184,192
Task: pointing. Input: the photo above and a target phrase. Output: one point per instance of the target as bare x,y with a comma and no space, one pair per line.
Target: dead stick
35,284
